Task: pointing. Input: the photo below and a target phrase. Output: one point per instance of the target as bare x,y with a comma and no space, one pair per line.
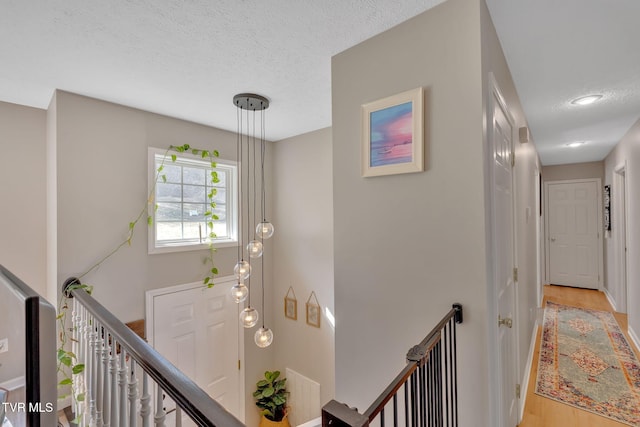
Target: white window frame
231,201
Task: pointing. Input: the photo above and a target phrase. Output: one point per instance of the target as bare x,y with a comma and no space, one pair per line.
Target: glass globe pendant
239,292
255,249
263,337
242,270
264,229
249,317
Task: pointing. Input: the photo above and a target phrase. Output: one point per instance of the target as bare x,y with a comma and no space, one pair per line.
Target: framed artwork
607,207
313,311
291,305
393,135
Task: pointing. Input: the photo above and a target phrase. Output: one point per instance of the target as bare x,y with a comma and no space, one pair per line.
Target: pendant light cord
262,190
262,155
239,177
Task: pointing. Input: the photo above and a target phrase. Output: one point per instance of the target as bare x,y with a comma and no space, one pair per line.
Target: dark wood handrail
418,358
202,409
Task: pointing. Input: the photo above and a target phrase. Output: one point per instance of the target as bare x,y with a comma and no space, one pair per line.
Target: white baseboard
64,403
13,384
634,337
524,385
610,299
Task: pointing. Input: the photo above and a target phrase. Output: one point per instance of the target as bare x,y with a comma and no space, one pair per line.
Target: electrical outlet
4,345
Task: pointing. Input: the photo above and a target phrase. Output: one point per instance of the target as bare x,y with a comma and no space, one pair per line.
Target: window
181,201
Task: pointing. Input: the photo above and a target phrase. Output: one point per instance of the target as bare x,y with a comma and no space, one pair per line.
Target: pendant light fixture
250,109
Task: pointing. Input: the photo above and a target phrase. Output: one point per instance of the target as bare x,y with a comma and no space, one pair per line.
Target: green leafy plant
271,396
68,365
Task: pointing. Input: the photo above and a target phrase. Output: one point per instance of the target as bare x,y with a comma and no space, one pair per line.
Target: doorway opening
619,229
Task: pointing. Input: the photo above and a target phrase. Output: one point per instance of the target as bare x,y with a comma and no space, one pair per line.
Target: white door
573,233
197,329
503,257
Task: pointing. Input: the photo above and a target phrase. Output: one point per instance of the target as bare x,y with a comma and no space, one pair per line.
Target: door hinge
238,364
518,391
515,274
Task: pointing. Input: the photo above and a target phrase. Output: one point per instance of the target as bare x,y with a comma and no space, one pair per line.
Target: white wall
628,150
408,246
102,185
303,208
22,193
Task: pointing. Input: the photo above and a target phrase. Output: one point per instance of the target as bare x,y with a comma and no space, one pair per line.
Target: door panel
573,234
197,330
503,258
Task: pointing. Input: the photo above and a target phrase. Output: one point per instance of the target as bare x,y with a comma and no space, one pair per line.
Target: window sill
182,247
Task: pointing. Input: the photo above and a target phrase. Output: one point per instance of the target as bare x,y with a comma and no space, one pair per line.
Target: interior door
503,258
197,329
573,233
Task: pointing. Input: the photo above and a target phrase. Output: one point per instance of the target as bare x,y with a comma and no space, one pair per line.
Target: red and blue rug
586,361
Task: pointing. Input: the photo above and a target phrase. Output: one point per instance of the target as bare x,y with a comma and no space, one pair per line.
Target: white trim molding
527,371
634,337
13,384
610,298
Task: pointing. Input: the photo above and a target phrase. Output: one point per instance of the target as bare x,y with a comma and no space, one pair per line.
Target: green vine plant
68,364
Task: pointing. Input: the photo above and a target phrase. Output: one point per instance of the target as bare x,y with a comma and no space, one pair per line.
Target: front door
503,257
197,329
573,233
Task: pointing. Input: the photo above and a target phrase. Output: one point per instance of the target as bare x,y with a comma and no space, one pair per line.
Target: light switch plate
4,345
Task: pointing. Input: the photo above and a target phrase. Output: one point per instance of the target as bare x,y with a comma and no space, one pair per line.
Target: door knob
553,239
506,321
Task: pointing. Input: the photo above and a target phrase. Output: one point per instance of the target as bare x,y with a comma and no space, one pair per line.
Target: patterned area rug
586,361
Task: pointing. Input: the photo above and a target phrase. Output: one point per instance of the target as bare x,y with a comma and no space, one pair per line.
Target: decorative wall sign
291,305
607,207
313,311
392,135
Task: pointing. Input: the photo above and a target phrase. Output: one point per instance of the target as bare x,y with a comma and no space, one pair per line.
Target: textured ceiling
187,59
560,50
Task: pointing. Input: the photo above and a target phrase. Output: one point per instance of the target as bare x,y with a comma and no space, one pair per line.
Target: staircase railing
423,394
117,362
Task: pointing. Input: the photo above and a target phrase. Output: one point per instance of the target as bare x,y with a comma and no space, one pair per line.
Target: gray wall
23,173
573,171
626,152
303,207
408,246
102,185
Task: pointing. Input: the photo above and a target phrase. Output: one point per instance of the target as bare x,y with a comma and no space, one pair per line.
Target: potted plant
271,398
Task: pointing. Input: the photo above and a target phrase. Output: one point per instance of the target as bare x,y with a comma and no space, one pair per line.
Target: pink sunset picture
391,139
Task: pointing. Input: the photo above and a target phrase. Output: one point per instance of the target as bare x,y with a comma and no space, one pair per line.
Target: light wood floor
542,412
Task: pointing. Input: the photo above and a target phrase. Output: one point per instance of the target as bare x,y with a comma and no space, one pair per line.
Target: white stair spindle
81,359
145,402
106,383
113,372
178,416
133,395
160,413
99,375
74,350
88,377
122,383
90,417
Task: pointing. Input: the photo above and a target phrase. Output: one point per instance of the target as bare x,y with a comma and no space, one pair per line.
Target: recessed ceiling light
575,144
586,100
